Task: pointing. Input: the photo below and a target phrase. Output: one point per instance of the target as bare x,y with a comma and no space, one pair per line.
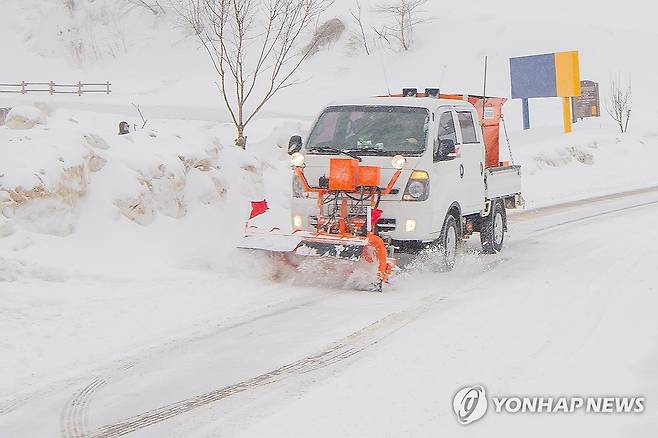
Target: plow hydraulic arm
348,210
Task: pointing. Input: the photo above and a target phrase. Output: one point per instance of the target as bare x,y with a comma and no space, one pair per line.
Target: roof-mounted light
409,92
432,92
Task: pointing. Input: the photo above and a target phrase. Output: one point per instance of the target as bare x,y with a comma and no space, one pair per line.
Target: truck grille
386,225
383,226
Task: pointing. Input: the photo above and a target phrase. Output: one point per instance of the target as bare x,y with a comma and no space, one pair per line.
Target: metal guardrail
53,88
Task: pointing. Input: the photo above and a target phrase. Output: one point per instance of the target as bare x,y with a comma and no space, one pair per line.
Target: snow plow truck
397,174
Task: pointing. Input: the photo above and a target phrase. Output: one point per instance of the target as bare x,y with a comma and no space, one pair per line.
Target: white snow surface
118,260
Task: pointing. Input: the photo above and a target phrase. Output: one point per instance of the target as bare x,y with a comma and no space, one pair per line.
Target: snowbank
173,184
45,174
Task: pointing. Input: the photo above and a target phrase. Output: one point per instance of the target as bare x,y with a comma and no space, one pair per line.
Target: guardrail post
108,87
52,88
23,87
79,88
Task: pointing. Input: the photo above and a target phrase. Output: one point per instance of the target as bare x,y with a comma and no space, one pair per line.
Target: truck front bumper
401,220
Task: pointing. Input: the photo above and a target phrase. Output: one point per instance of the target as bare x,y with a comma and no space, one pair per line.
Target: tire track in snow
75,413
75,416
19,400
594,216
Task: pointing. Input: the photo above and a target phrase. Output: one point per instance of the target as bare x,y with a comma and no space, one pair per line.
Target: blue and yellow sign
548,75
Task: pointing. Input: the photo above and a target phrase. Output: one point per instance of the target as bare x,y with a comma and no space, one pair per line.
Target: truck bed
502,182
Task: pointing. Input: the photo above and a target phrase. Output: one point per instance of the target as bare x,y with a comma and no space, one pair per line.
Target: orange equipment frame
347,230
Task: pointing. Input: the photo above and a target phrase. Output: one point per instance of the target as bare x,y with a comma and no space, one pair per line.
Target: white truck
445,192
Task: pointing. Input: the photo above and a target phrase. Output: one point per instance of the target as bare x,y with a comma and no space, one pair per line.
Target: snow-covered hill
152,59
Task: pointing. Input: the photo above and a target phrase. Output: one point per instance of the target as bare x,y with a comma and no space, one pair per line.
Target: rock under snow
24,117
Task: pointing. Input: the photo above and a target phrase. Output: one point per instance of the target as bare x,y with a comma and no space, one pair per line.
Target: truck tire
449,243
493,227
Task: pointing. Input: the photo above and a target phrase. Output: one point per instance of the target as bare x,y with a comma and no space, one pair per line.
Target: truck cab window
467,127
447,137
447,127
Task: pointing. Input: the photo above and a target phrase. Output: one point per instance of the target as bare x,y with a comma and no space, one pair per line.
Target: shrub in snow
581,155
24,117
202,164
48,210
69,188
325,35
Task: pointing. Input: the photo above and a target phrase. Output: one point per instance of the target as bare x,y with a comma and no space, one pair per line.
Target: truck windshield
370,130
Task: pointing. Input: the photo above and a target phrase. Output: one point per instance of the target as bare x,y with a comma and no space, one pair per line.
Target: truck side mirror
445,151
295,144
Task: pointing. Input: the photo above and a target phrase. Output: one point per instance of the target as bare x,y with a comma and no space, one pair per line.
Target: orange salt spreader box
343,174
369,176
347,175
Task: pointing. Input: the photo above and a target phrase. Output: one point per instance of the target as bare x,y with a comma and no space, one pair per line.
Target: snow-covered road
547,316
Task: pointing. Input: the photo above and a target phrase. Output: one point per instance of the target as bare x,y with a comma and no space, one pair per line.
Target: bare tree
619,103
255,47
405,15
359,37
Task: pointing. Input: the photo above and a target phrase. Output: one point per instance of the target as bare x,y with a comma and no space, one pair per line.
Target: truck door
472,155
447,185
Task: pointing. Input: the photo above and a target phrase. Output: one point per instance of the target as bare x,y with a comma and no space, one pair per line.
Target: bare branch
361,36
619,104
145,121
405,16
155,8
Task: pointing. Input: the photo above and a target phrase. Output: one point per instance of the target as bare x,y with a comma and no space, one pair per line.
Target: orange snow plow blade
297,248
340,233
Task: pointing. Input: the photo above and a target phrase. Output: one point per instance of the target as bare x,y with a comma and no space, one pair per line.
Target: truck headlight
297,222
418,187
398,162
297,159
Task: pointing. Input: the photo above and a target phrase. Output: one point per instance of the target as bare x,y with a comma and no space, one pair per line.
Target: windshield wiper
367,150
378,151
334,150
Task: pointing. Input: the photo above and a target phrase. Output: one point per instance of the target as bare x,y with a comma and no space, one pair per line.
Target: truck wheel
492,232
449,243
